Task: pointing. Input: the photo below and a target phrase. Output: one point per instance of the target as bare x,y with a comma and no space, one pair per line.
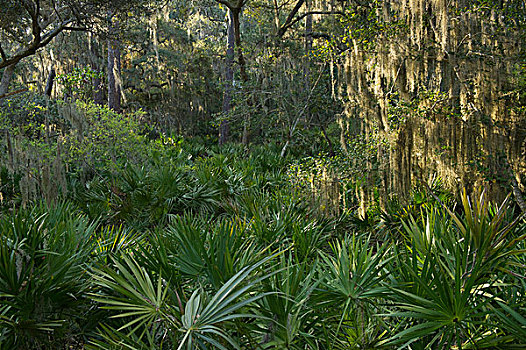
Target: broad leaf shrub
48,145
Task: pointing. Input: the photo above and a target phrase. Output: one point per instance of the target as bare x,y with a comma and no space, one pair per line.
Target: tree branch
13,93
2,53
316,35
302,112
290,17
35,45
76,29
290,23
226,3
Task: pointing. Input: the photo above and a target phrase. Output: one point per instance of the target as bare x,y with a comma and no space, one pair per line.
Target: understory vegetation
185,245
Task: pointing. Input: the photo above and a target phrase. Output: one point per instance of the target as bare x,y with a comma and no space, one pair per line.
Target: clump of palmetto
210,252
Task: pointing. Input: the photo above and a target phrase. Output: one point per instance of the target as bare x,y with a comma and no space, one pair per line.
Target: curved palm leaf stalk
513,319
201,321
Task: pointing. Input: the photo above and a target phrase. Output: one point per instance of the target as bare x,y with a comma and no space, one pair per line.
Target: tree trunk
95,63
308,32
224,127
236,12
306,59
50,81
237,36
114,62
6,79
153,24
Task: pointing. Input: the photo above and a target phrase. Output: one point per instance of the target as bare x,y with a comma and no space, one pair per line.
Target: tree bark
308,29
50,81
236,12
6,79
95,60
237,36
155,40
518,195
114,62
290,18
224,127
306,59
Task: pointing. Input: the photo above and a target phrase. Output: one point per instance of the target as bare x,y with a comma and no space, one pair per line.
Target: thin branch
49,36
76,29
13,93
55,9
316,35
295,124
35,45
396,78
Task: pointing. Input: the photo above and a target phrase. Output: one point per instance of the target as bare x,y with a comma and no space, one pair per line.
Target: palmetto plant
180,253
152,315
352,284
511,306
141,302
147,196
211,252
485,228
111,240
447,280
280,220
44,255
424,197
288,309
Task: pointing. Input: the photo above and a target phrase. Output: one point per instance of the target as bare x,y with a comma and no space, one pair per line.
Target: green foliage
44,255
181,271
77,84
213,253
451,278
352,279
153,309
102,138
175,247
365,23
152,240
10,195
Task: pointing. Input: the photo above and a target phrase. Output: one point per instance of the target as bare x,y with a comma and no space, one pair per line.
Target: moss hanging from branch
442,81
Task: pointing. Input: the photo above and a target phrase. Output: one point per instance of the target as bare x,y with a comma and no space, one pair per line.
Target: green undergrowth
159,242
203,248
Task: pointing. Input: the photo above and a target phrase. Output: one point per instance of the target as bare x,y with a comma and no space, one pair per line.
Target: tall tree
7,75
234,10
95,63
442,88
114,65
27,26
224,127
